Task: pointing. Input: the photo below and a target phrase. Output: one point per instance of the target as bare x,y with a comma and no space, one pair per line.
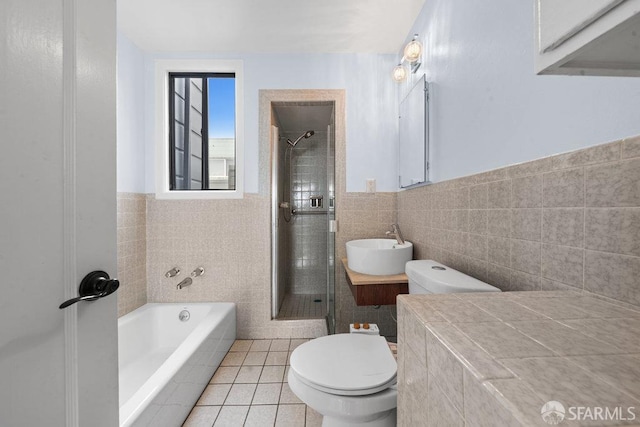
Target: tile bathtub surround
132,251
245,393
570,221
459,367
231,240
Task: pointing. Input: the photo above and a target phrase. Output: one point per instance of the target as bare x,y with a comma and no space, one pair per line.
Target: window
200,133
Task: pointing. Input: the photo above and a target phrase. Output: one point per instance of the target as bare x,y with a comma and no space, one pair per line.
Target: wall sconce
412,54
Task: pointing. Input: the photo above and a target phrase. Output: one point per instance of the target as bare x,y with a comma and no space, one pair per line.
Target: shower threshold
303,306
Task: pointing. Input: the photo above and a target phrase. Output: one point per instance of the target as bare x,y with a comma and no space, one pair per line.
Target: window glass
202,131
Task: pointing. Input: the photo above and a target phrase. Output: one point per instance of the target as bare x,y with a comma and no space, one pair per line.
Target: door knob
95,285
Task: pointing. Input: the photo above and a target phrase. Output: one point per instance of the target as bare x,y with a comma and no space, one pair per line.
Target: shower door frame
267,99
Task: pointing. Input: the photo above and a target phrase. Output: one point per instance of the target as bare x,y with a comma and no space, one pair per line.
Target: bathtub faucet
396,233
186,282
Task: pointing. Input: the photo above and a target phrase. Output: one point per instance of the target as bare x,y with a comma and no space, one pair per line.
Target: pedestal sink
378,257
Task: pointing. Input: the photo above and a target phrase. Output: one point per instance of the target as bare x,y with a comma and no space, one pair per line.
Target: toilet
348,378
351,378
431,277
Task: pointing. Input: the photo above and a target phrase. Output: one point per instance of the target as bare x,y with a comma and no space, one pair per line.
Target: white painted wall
490,109
130,116
371,108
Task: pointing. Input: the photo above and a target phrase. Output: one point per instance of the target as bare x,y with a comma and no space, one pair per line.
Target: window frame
163,96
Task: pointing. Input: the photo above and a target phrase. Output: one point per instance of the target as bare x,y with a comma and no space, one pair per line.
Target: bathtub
165,362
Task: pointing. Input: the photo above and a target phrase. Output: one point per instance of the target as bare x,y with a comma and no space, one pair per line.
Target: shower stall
303,210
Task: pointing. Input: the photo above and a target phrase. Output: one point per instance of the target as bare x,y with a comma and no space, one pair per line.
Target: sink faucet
186,282
395,232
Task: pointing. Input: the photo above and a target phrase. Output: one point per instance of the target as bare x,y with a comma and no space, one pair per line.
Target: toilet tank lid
443,279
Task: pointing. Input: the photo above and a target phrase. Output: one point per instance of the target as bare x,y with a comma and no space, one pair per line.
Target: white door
57,212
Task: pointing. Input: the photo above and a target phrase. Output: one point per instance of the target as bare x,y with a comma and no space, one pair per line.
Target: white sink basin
379,257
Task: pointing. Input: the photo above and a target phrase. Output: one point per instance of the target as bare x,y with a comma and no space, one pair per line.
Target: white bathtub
166,363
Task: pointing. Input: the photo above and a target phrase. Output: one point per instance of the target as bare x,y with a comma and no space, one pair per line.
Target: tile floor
303,306
250,389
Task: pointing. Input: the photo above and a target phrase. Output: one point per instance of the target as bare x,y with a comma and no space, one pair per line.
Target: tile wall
132,251
231,240
362,216
308,233
569,221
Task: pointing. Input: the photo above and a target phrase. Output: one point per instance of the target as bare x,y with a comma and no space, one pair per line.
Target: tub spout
186,282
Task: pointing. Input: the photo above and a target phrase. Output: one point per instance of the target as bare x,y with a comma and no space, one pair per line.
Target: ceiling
274,26
298,118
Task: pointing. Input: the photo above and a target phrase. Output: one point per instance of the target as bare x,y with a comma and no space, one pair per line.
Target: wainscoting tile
498,251
631,147
525,256
614,184
613,230
563,188
612,275
527,192
500,277
563,264
478,196
477,246
499,221
526,224
499,194
478,220
588,156
563,226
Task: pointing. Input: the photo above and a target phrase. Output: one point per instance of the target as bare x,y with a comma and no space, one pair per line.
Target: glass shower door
331,230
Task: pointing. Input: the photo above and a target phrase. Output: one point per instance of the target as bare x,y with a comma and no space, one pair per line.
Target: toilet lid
345,364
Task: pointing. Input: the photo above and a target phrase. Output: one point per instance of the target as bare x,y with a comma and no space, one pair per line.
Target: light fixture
399,73
413,50
412,54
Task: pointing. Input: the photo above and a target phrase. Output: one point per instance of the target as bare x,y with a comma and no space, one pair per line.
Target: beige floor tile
255,358
232,416
287,396
233,359
214,394
296,342
272,374
261,416
290,416
276,358
260,345
240,394
241,345
280,345
267,394
286,374
225,375
249,374
314,419
202,416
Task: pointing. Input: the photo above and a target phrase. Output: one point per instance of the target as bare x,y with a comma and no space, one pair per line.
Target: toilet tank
431,277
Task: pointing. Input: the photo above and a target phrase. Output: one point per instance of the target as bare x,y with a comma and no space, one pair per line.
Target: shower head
307,134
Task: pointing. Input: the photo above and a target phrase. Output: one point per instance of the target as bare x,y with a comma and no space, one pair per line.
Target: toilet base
388,419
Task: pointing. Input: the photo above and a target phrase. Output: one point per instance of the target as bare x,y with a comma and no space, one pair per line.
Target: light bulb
399,73
412,50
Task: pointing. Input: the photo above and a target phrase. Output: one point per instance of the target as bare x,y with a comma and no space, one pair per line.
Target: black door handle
96,284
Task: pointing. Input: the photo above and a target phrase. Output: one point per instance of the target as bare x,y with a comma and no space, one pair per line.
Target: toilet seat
345,364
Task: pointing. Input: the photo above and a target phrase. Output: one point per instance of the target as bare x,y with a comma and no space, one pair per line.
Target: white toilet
351,378
348,378
431,277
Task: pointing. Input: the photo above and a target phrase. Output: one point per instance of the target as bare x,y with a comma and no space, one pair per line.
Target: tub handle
95,285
